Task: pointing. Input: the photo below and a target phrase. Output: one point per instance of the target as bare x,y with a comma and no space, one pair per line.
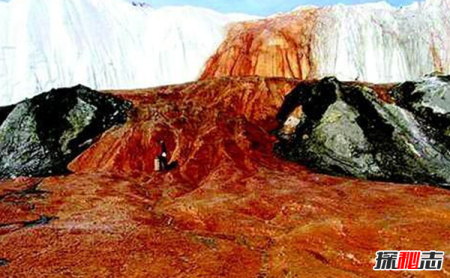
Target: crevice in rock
43,220
4,262
435,125
4,112
32,191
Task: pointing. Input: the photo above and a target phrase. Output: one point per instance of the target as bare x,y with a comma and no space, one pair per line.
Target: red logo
409,260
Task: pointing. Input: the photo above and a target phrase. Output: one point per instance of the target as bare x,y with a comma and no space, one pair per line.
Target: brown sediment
278,46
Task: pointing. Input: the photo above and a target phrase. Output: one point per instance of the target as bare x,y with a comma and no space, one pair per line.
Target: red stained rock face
230,208
279,46
202,124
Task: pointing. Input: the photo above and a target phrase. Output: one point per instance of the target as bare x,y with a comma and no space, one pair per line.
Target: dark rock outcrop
40,136
4,112
4,262
345,129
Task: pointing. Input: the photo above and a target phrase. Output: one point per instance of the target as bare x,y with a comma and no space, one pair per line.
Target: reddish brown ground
231,209
278,46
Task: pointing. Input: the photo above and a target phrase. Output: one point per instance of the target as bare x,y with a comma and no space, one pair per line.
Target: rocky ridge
345,129
40,136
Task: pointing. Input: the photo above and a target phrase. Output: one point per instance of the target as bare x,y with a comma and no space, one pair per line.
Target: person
162,158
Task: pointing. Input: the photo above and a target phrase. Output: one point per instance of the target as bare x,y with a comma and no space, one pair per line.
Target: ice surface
113,44
379,43
102,44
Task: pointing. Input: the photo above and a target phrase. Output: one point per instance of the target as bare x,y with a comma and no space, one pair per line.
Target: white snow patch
102,44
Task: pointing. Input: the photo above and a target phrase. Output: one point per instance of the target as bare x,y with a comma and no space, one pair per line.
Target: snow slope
114,44
380,43
102,44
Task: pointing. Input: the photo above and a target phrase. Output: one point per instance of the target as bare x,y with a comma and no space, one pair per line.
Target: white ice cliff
113,44
380,43
102,44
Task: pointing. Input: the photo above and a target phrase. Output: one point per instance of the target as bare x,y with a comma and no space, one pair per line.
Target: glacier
373,42
102,44
113,44
379,43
